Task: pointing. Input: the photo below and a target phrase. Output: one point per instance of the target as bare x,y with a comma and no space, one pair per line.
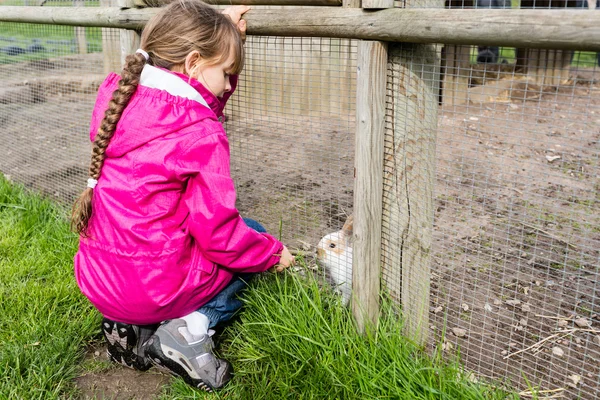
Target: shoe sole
118,353
156,355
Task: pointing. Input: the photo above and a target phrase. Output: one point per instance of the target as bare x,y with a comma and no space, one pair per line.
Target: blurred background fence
509,136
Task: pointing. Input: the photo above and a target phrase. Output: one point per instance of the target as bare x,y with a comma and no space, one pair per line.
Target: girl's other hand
235,13
286,261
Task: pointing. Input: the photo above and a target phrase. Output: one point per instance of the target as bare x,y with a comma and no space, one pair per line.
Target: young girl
161,239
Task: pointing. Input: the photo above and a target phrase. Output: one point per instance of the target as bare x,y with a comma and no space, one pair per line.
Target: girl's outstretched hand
235,13
286,261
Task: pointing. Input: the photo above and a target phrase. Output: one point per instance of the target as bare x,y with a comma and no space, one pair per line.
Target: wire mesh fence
516,236
515,169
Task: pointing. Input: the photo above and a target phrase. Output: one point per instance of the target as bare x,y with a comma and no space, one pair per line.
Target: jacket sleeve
213,220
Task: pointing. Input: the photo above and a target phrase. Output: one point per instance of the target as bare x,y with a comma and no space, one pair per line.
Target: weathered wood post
455,64
80,31
409,174
116,47
368,171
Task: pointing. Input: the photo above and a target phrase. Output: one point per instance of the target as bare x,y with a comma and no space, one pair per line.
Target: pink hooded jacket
165,235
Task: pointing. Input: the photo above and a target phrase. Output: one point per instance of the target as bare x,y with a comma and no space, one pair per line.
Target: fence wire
515,169
516,233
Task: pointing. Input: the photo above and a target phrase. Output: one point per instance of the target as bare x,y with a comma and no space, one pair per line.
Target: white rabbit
334,254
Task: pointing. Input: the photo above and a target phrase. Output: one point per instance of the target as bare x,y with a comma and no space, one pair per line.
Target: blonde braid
130,78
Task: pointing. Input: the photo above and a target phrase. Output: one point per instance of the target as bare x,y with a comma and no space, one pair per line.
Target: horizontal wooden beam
559,29
331,3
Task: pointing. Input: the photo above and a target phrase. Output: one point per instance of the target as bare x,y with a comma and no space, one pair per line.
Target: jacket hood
172,101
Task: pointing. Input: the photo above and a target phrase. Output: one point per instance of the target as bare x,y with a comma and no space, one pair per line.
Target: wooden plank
409,174
368,181
560,29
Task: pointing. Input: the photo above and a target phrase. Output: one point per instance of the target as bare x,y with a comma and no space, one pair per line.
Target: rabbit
334,254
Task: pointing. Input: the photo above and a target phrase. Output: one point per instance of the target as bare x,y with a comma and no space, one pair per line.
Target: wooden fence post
80,31
368,181
409,174
116,48
129,39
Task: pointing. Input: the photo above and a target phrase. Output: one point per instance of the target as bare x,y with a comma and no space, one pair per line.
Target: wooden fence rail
559,29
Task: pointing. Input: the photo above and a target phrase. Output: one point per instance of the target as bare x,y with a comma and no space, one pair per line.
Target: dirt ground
516,237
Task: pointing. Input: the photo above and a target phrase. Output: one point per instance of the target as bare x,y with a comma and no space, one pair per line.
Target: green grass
581,59
294,339
45,322
56,40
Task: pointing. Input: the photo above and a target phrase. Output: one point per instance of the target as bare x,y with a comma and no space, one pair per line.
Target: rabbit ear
347,228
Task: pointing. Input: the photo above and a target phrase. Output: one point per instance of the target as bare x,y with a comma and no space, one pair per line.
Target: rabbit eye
332,245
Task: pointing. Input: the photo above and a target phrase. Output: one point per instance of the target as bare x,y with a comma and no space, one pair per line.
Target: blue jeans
226,303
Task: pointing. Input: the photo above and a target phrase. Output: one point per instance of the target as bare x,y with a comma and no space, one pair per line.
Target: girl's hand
286,261
235,13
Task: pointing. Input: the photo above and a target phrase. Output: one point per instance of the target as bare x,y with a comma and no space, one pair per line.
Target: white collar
156,78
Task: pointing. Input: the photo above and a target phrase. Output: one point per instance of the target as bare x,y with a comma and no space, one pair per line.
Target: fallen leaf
582,322
575,378
464,306
525,308
513,302
487,307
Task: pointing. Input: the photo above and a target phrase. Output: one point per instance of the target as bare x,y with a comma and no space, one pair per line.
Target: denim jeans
226,303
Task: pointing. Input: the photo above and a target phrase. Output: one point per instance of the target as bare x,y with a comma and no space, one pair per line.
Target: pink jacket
165,235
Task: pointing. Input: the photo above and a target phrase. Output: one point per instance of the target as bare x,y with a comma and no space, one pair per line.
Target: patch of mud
105,380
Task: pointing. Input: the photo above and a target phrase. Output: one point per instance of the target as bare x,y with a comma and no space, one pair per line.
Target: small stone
577,340
557,351
487,307
514,302
523,321
438,309
497,302
504,352
597,339
582,322
562,323
474,118
97,353
526,308
512,344
465,307
459,332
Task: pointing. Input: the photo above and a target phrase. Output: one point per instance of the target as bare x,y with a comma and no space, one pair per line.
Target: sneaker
124,342
195,362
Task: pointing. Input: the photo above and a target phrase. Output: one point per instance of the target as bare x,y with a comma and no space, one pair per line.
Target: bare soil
516,236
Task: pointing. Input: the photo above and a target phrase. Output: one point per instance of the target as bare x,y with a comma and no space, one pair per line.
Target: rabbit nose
320,253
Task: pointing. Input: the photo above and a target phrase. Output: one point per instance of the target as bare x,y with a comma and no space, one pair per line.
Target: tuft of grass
44,320
294,339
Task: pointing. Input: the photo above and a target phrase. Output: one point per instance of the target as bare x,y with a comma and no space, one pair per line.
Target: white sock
197,327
